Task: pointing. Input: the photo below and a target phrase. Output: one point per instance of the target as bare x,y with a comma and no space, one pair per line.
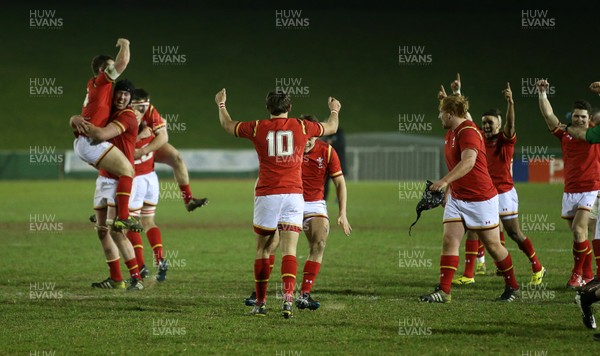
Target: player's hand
334,104
145,133
343,222
77,123
439,185
442,93
221,96
508,94
542,86
138,116
595,87
456,84
138,153
85,127
122,42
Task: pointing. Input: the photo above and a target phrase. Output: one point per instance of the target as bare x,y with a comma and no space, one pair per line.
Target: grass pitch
368,285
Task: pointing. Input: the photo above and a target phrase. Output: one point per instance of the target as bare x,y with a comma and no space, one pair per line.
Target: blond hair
455,104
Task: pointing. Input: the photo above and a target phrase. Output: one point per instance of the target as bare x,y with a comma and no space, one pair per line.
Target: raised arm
226,123
342,195
123,56
331,125
545,107
509,126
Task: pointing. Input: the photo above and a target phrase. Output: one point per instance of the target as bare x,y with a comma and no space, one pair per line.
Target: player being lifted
500,147
97,110
582,181
278,203
164,152
471,200
122,130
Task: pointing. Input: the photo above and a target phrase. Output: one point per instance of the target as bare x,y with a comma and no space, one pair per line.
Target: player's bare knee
317,247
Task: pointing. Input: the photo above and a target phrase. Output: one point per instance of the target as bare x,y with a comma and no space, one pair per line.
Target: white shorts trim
91,151
272,210
147,193
475,215
571,202
508,205
313,209
106,191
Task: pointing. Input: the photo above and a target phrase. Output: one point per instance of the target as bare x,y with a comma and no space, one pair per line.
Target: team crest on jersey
320,162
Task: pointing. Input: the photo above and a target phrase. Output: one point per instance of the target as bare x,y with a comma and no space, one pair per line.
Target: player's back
279,143
97,103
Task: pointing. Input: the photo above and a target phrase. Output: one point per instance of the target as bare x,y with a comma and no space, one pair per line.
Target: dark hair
493,112
582,105
99,62
278,102
140,94
309,117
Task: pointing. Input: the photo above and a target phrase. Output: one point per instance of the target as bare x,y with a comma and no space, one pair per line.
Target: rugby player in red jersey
278,203
320,162
164,152
147,190
96,110
471,200
500,147
122,130
582,182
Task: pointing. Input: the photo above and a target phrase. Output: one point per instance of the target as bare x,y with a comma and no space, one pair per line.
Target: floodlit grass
368,285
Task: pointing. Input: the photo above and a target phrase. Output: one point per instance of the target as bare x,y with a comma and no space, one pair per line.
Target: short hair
99,62
493,112
278,102
140,94
582,105
309,117
456,104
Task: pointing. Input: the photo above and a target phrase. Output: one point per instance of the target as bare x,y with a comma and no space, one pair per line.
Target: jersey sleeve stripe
303,126
336,174
322,129
255,129
119,125
158,127
328,154
237,126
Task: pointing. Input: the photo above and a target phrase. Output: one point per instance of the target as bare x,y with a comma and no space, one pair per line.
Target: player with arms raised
582,182
278,203
500,148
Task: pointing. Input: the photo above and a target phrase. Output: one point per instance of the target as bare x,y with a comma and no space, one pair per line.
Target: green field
368,285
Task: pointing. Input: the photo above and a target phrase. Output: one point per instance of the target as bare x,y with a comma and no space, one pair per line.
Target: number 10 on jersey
280,143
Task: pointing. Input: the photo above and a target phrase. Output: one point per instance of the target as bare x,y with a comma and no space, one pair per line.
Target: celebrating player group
479,191
121,134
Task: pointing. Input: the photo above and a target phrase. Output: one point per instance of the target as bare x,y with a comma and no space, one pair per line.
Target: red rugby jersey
126,121
98,100
582,167
500,151
320,162
153,120
279,143
477,184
